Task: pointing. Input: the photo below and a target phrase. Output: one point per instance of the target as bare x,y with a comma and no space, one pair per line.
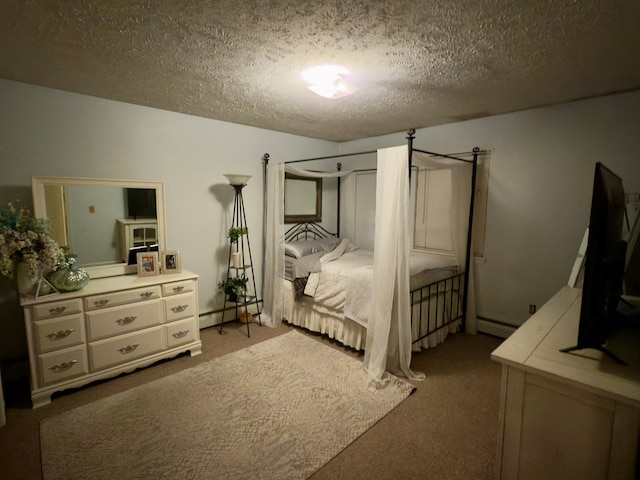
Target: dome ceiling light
329,81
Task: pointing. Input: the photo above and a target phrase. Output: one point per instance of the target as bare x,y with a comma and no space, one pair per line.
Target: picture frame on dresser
148,264
171,262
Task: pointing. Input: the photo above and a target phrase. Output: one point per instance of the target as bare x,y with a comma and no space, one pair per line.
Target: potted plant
234,287
236,232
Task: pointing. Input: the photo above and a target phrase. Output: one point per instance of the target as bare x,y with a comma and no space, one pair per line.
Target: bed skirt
437,337
335,325
319,319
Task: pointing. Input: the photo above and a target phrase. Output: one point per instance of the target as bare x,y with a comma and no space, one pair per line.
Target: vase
69,279
25,279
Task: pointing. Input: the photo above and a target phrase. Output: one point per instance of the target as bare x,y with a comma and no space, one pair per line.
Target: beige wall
51,132
542,167
539,192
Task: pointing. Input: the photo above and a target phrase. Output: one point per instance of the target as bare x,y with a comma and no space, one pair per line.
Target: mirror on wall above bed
102,219
302,199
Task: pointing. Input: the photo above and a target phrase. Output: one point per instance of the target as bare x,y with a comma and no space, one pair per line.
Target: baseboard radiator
497,329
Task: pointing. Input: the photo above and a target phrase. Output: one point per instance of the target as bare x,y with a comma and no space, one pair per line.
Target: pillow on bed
302,248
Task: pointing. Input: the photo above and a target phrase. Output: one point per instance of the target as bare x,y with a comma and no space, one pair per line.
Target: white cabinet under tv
136,233
567,415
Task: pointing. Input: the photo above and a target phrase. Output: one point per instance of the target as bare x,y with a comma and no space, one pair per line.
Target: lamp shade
237,179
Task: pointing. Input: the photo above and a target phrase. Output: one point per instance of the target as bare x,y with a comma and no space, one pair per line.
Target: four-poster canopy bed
388,301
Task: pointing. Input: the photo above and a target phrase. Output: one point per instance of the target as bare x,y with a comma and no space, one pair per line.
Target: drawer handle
63,366
101,303
179,308
60,334
128,348
57,310
126,320
146,294
178,289
181,334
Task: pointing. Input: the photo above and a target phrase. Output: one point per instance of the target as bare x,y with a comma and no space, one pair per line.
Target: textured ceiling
417,63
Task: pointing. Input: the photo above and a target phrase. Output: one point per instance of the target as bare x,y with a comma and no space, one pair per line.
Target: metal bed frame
449,293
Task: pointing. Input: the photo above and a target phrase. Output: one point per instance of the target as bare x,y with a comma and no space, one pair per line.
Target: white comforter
345,280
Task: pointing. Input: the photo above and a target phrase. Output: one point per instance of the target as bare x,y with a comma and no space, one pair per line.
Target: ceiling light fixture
328,81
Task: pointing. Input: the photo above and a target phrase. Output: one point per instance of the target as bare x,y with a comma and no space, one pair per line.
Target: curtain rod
442,155
329,157
332,156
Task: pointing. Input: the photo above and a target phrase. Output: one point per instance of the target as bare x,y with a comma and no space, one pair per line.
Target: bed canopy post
410,136
469,256
265,162
339,167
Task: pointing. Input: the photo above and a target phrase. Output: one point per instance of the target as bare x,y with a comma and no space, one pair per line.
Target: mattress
343,286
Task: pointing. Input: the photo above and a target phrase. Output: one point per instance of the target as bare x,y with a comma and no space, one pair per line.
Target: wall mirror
103,221
302,199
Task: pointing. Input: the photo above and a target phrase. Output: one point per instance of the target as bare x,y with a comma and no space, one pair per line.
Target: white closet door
365,218
433,211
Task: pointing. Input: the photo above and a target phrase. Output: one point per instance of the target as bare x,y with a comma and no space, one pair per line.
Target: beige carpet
279,409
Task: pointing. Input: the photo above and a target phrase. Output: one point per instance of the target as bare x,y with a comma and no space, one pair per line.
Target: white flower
24,238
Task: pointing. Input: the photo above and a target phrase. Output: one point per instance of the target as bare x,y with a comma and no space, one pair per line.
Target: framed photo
148,264
171,262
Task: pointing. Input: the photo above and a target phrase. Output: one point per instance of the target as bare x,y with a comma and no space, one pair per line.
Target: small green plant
236,232
234,287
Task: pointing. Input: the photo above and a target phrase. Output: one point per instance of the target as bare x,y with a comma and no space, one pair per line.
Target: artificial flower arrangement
27,239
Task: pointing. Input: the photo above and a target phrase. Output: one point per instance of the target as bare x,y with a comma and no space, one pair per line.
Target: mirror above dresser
101,219
117,322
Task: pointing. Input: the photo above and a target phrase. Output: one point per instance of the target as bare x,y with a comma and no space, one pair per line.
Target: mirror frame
315,186
111,270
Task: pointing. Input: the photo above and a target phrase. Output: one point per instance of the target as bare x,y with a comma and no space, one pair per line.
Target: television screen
604,262
141,203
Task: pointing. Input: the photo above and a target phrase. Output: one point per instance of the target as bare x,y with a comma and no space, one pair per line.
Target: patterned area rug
280,409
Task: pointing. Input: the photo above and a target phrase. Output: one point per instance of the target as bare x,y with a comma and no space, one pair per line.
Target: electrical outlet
532,309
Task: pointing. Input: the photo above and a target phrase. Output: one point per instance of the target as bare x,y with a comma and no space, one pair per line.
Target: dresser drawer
123,319
181,332
177,288
95,302
57,309
124,348
57,333
62,365
179,306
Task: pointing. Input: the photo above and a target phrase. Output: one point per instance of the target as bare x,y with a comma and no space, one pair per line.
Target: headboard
306,231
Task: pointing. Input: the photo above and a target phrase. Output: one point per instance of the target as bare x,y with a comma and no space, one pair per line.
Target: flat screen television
604,263
141,203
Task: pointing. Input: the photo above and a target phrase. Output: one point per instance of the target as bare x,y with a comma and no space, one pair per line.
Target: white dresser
567,415
113,325
3,416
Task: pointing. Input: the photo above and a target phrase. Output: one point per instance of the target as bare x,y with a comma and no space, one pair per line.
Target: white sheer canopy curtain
389,327
461,186
272,290
273,302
